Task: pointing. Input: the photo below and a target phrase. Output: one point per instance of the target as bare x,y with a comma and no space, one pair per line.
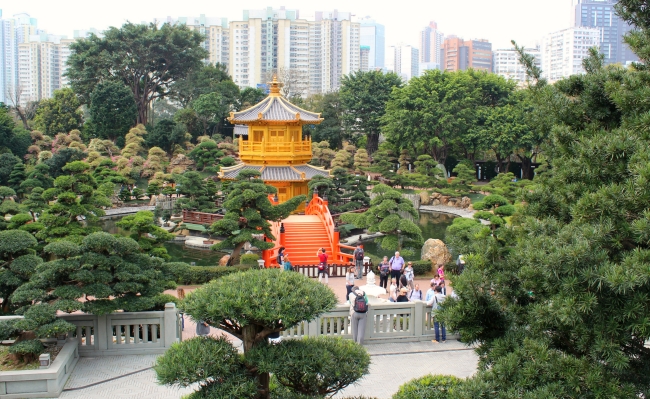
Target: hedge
429,387
249,259
205,274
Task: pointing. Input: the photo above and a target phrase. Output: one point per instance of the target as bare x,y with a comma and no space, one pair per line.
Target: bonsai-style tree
384,216
248,213
206,154
143,229
427,174
6,192
75,197
251,306
465,176
198,193
361,161
38,177
18,261
16,177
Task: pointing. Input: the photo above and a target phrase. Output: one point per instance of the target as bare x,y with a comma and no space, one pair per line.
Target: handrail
318,207
270,255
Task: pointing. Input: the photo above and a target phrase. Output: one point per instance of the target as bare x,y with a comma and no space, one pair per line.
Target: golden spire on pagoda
274,87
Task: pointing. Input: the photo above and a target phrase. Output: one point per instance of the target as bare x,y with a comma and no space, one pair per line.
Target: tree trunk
263,379
372,144
236,254
526,167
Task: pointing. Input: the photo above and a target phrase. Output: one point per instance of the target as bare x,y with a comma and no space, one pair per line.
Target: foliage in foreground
251,306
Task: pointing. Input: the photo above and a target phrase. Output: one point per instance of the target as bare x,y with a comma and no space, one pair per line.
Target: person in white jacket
436,300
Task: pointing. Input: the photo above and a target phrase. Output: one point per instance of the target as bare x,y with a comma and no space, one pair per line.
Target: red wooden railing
270,256
318,207
200,217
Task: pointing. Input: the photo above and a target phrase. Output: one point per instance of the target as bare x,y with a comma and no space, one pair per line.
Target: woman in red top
322,266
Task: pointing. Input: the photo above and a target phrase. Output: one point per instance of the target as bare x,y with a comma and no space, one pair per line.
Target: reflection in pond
433,225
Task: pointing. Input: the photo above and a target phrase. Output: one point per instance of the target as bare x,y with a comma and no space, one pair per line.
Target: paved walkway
128,210
117,377
466,213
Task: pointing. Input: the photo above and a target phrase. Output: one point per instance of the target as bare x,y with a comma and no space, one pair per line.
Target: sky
498,21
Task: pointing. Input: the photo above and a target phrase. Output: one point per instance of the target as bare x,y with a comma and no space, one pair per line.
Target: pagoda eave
263,122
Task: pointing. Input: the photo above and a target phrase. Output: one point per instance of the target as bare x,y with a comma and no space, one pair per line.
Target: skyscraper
216,34
13,31
458,54
506,63
564,50
364,55
600,14
431,40
406,63
373,36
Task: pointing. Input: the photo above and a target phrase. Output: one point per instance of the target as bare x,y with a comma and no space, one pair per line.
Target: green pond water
433,225
178,251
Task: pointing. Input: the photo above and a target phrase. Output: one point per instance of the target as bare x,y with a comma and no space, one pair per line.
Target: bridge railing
270,256
318,207
200,217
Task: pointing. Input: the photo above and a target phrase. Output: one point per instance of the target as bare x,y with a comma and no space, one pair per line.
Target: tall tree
16,177
204,80
112,110
7,163
18,261
248,97
146,58
363,98
166,134
60,114
248,212
331,110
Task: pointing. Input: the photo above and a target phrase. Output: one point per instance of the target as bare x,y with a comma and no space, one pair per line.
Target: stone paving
392,365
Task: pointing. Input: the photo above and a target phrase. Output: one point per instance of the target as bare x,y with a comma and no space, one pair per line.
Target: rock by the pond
224,260
424,198
436,251
465,202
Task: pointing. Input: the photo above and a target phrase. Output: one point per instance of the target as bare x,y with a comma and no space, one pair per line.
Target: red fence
200,217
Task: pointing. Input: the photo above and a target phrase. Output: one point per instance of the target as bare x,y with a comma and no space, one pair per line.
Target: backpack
279,259
360,305
359,255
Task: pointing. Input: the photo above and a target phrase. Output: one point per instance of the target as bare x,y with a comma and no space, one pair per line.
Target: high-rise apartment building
216,32
458,54
600,14
506,63
564,50
41,66
13,31
364,56
316,54
373,35
431,40
406,64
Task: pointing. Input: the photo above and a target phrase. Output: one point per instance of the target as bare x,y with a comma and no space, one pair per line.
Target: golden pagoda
271,141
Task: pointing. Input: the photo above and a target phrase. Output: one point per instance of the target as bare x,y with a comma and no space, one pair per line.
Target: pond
433,225
178,251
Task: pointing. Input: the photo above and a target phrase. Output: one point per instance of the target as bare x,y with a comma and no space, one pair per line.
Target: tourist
442,287
349,281
402,295
410,276
358,261
323,269
430,293
416,294
202,328
280,258
403,282
392,296
441,271
436,301
436,279
286,263
384,271
358,313
396,266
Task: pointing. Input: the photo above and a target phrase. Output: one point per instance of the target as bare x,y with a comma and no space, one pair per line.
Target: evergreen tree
18,261
313,367
248,212
35,203
16,177
361,161
76,202
149,236
383,216
38,177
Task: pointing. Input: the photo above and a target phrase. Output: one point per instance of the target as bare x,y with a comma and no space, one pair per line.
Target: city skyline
498,21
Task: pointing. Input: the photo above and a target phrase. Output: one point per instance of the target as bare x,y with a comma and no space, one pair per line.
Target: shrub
485,215
227,161
205,274
249,259
505,210
479,206
421,267
8,330
497,220
27,351
429,387
492,200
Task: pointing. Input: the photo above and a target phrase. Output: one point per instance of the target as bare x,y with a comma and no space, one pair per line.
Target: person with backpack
436,301
396,266
286,263
358,261
358,314
349,281
416,294
280,257
323,269
384,271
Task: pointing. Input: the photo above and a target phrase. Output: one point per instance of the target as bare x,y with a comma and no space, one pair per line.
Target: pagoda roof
276,173
275,108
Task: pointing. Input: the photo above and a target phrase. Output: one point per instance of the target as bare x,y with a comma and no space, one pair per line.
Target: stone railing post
419,318
313,328
169,322
103,332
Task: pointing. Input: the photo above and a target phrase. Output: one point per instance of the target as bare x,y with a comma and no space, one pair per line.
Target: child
286,263
441,272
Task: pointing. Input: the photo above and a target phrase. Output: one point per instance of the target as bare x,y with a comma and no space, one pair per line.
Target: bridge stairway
303,236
